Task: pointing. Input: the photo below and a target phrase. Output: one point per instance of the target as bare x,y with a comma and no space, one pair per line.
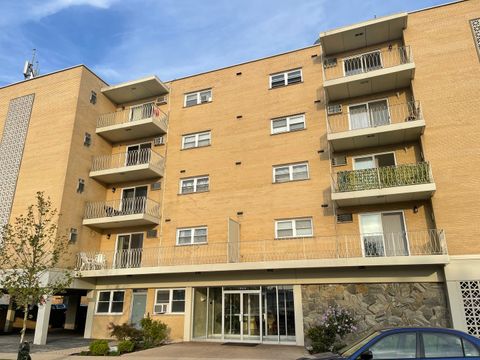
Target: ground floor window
251,313
110,302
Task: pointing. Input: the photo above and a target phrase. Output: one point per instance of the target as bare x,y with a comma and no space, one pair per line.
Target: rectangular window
289,123
286,78
110,302
198,97
192,185
169,301
284,173
291,228
192,236
196,140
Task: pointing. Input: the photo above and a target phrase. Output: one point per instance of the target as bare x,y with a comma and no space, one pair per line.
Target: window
198,97
80,186
197,184
73,236
169,301
441,345
293,228
87,139
292,172
93,97
110,302
289,123
196,140
286,78
191,236
368,115
396,346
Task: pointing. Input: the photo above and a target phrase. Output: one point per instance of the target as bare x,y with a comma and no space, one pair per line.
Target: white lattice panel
475,24
11,151
471,304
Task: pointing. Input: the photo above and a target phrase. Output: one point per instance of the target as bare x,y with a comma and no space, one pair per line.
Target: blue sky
125,39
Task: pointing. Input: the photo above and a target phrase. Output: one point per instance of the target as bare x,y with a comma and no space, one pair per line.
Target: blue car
410,343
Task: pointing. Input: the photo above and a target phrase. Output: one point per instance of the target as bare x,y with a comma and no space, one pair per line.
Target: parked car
410,343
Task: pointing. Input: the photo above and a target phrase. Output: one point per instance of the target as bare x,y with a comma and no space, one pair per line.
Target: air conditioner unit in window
161,100
161,308
334,109
158,141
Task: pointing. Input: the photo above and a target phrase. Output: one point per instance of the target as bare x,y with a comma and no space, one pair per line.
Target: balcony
139,121
122,213
375,124
368,73
406,248
135,165
383,185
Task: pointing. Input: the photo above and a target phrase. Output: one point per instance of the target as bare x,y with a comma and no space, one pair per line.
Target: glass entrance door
242,311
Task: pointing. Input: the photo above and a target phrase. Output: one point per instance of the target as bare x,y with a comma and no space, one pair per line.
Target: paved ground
62,344
58,340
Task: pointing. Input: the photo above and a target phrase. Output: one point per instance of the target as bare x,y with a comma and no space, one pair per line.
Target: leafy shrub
155,332
99,347
125,332
126,346
330,330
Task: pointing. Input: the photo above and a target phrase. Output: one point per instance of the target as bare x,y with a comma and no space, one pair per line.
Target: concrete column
90,312
187,320
10,318
455,301
297,303
72,307
43,317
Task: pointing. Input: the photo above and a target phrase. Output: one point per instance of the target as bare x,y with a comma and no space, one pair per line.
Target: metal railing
372,115
382,177
129,158
131,114
335,68
121,207
412,243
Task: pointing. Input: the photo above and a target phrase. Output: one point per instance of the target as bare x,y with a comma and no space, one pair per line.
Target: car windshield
350,349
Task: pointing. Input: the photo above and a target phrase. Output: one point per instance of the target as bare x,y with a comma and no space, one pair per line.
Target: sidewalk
184,351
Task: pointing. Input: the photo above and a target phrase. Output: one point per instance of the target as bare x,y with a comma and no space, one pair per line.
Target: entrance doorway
242,311
139,304
258,314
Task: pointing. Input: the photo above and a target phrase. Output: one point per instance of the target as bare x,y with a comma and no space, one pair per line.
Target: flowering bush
334,324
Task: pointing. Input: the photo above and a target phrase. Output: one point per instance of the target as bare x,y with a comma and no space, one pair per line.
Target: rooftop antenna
29,69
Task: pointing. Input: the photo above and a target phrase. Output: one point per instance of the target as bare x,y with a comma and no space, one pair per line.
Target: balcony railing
132,114
412,243
362,117
122,207
366,62
383,177
129,158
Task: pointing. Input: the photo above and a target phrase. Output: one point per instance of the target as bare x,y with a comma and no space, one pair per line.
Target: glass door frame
368,113
241,293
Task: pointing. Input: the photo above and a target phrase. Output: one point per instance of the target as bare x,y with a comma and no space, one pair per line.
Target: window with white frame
196,140
110,302
286,78
169,301
290,228
193,185
290,172
198,97
192,236
287,124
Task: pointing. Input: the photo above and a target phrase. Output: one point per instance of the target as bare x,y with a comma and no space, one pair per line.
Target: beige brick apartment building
237,204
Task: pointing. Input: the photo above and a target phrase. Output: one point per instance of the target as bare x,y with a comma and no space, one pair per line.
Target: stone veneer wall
377,306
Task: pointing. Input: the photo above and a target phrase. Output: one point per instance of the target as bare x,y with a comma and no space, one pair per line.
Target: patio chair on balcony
100,261
86,262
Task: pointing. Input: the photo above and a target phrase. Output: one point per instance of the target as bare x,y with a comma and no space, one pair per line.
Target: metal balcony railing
122,207
412,243
373,114
129,158
335,68
132,114
382,177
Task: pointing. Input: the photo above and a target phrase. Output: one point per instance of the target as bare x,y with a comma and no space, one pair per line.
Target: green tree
31,253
